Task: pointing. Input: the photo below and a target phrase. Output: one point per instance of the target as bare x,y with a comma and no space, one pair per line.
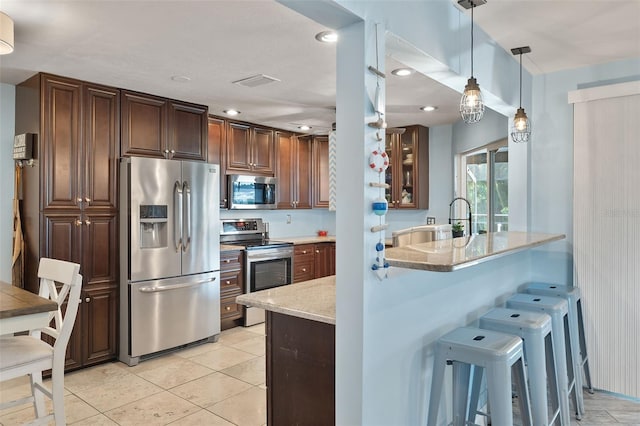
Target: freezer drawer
173,312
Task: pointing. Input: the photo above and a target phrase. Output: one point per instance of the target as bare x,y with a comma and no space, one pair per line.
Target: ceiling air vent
256,80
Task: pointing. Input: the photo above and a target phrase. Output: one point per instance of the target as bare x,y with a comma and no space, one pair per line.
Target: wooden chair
29,355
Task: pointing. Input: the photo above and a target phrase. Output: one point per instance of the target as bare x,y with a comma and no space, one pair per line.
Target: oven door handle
174,286
270,256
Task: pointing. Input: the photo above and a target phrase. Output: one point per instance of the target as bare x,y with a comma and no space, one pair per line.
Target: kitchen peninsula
301,318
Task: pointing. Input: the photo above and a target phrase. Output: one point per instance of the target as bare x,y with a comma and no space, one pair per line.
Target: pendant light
521,128
471,104
6,34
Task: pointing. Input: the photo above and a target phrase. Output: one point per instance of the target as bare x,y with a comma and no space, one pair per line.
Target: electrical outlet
431,220
288,218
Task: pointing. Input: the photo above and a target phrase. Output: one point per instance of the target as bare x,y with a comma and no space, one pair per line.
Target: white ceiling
140,45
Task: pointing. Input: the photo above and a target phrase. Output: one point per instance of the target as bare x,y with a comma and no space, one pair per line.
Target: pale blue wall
492,127
402,315
552,159
7,127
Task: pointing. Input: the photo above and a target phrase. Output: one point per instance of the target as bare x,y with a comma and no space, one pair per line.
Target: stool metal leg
583,348
523,393
574,380
439,364
552,380
461,372
535,356
476,384
499,387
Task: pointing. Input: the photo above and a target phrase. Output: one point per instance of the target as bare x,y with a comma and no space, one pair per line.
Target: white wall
7,130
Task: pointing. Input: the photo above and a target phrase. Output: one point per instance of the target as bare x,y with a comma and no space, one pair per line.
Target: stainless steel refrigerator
169,257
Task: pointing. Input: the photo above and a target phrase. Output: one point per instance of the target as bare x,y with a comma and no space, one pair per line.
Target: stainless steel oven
268,263
265,268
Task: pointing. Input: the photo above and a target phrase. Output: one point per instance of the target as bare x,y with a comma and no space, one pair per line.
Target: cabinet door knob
166,151
317,251
79,199
78,222
304,252
228,282
228,308
173,151
87,199
87,222
304,269
87,299
227,261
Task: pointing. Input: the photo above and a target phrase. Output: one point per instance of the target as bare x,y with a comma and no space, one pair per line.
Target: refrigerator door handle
177,215
174,286
186,190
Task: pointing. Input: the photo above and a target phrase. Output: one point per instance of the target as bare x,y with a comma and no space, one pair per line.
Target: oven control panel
241,226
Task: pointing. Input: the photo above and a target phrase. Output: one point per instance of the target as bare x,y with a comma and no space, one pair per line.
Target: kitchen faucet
451,219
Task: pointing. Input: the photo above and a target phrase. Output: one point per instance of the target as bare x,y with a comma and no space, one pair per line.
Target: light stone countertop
457,253
314,299
229,247
306,240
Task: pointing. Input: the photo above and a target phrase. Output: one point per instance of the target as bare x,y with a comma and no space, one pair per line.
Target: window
485,184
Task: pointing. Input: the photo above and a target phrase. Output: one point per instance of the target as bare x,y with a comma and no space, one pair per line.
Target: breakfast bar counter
462,252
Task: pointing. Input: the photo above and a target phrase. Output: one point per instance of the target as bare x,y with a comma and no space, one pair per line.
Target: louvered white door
606,213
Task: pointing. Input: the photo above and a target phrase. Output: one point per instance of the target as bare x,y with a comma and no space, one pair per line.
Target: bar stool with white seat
29,355
499,354
576,322
534,328
557,308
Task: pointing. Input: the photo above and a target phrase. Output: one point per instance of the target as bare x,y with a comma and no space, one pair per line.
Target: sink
421,234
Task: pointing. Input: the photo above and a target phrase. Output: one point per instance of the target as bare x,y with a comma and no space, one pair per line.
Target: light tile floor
219,384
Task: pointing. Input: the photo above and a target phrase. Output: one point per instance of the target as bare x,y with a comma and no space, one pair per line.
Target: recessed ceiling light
231,112
402,72
429,108
327,36
181,78
304,127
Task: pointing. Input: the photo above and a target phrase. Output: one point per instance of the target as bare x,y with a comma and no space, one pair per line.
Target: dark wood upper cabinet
263,151
101,146
293,170
238,147
216,152
144,125
250,149
188,124
408,171
320,171
60,143
157,127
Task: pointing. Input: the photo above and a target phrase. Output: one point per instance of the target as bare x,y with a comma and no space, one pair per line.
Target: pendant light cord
473,5
520,79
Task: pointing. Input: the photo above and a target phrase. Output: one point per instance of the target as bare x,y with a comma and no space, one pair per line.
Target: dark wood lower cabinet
300,371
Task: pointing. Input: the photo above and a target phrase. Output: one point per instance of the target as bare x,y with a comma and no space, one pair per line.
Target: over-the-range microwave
252,192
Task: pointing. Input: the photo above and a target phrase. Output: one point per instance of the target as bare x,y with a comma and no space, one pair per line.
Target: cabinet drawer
230,260
303,250
229,309
303,270
231,281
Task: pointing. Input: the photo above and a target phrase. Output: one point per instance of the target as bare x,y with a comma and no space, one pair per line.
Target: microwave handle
177,215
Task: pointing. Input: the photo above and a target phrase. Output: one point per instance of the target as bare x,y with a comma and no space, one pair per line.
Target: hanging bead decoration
378,163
